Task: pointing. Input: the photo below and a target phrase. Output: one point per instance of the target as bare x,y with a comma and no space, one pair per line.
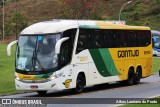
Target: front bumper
50,85
156,53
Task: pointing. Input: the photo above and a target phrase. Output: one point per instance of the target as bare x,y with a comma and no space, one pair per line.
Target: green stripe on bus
98,60
109,63
88,27
104,62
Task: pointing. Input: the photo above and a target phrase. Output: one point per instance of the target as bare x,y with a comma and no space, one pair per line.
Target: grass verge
7,83
155,66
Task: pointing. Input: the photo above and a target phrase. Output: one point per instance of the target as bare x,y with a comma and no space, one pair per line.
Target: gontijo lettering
128,53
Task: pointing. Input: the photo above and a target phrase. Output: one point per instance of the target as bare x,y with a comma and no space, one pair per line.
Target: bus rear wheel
42,92
131,76
80,83
138,76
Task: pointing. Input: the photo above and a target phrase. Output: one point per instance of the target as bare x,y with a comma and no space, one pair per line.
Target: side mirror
10,46
58,45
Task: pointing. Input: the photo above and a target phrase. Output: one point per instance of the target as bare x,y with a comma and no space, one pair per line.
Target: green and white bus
72,54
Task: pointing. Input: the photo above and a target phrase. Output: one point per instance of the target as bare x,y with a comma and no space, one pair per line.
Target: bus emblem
67,83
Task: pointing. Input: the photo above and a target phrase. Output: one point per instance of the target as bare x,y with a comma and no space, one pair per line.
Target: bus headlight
55,76
16,77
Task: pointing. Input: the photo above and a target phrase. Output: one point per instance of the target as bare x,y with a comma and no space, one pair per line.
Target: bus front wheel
80,83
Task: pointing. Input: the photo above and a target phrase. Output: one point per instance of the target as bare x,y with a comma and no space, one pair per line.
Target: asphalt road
149,87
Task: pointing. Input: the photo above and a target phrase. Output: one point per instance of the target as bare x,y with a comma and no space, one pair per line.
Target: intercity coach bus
73,54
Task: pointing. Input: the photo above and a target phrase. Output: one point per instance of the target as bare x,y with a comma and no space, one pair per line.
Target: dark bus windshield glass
37,53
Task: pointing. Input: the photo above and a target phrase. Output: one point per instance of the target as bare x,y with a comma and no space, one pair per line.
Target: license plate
34,87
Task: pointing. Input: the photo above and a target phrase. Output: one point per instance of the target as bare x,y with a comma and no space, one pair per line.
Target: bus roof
55,26
156,33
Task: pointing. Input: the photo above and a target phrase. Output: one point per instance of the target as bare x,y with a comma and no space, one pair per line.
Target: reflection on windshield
37,53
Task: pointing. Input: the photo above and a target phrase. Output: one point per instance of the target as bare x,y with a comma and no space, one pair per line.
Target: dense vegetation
26,12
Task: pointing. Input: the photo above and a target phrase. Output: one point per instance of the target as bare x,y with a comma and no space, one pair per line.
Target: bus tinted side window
83,40
118,38
148,37
124,38
137,38
113,38
109,38
133,39
96,39
144,38
67,46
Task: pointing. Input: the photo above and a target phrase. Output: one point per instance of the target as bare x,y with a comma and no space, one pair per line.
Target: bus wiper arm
35,59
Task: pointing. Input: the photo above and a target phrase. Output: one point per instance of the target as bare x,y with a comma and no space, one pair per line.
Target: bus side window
71,34
138,39
83,40
123,42
65,57
96,39
141,38
108,40
114,38
148,37
132,40
118,38
67,46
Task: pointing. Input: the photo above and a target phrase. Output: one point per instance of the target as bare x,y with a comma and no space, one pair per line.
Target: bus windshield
156,41
37,53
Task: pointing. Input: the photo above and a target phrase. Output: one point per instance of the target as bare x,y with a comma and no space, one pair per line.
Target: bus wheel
130,79
80,83
138,76
42,92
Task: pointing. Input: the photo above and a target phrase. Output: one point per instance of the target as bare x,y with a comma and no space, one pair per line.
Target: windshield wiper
34,58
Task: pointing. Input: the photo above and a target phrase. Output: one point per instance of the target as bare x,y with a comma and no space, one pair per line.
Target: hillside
34,10
39,10
139,12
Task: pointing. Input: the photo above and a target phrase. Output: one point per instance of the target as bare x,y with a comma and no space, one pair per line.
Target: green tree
82,9
16,23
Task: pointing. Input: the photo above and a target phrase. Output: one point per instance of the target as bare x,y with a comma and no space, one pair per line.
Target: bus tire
138,76
131,76
80,83
42,92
